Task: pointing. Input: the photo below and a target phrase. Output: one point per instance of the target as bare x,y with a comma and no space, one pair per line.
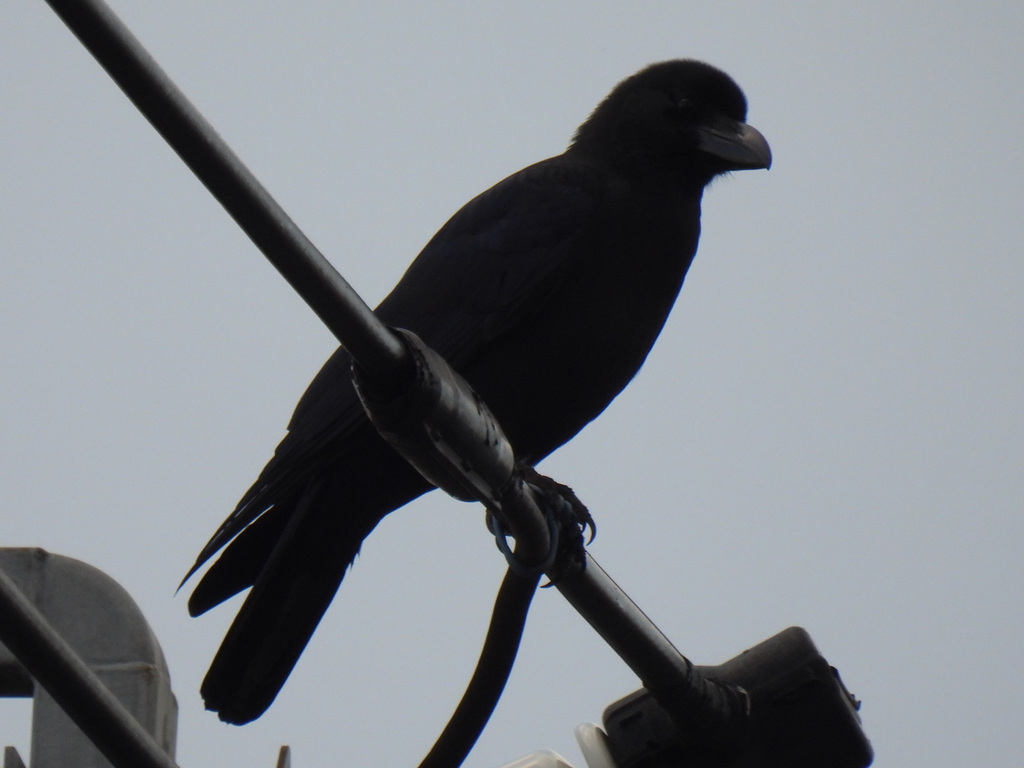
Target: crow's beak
740,146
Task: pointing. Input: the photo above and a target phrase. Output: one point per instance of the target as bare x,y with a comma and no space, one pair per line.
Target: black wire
492,672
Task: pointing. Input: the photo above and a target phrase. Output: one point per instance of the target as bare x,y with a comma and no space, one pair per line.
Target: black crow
546,292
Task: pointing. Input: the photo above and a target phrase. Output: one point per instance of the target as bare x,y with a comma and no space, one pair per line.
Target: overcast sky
828,433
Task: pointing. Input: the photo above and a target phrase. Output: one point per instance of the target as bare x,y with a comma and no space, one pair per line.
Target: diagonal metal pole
698,704
75,687
174,117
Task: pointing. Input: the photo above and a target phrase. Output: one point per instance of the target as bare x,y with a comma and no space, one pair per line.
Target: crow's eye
685,107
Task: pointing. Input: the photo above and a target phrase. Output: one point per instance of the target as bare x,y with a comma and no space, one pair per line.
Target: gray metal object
96,623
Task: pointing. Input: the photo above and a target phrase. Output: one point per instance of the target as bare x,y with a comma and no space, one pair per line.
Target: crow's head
682,120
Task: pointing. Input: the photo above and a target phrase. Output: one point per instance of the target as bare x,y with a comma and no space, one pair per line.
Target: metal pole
56,666
702,708
341,309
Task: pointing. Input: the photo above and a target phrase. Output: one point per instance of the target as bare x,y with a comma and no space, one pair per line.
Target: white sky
829,432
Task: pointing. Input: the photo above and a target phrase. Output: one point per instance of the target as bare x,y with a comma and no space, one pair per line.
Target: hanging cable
492,672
